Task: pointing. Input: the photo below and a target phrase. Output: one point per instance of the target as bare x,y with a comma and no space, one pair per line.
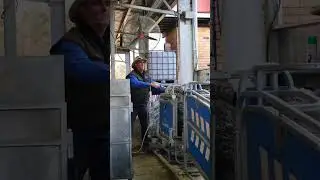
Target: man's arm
135,83
80,67
158,90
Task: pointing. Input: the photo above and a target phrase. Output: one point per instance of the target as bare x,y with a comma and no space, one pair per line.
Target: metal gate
197,129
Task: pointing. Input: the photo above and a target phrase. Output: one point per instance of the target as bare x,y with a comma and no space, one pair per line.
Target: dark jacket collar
93,37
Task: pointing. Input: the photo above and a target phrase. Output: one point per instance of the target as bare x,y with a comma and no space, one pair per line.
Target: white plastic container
162,65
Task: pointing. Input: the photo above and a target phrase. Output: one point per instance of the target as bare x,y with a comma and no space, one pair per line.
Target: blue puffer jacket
80,67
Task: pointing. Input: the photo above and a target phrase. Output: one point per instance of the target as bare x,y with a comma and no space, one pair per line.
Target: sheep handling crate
279,129
197,129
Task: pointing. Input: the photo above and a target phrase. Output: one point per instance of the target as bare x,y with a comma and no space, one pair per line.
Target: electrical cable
149,126
143,139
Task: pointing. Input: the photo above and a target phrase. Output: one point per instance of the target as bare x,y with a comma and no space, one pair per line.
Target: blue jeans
91,152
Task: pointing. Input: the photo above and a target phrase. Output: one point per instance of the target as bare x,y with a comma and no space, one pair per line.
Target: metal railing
272,114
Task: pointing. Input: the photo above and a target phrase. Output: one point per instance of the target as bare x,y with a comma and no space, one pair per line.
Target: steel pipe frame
309,137
268,96
287,112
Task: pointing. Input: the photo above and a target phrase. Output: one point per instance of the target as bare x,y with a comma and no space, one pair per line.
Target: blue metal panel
198,115
197,154
297,156
203,112
166,117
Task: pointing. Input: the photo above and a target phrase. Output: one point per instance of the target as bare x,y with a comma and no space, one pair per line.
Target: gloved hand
155,85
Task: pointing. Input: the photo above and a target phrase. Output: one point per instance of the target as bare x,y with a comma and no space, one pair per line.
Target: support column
185,40
195,36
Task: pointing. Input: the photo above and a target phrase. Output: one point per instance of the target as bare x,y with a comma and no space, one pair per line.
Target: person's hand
155,85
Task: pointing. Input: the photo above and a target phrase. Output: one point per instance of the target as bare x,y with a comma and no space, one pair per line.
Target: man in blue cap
86,50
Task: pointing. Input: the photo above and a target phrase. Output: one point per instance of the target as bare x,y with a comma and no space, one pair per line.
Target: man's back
87,76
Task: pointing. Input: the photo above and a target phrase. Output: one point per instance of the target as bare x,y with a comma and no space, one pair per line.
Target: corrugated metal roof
121,13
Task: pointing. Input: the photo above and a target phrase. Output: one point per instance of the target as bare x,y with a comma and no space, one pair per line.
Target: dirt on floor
147,166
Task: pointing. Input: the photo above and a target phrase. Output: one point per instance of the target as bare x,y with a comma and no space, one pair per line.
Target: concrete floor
147,166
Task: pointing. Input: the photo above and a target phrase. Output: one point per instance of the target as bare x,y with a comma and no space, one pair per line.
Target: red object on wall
203,6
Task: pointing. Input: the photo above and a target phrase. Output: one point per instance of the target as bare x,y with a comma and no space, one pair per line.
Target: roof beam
157,4
163,15
147,9
124,19
157,22
167,4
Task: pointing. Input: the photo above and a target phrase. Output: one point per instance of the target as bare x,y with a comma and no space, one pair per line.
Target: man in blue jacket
86,52
140,86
